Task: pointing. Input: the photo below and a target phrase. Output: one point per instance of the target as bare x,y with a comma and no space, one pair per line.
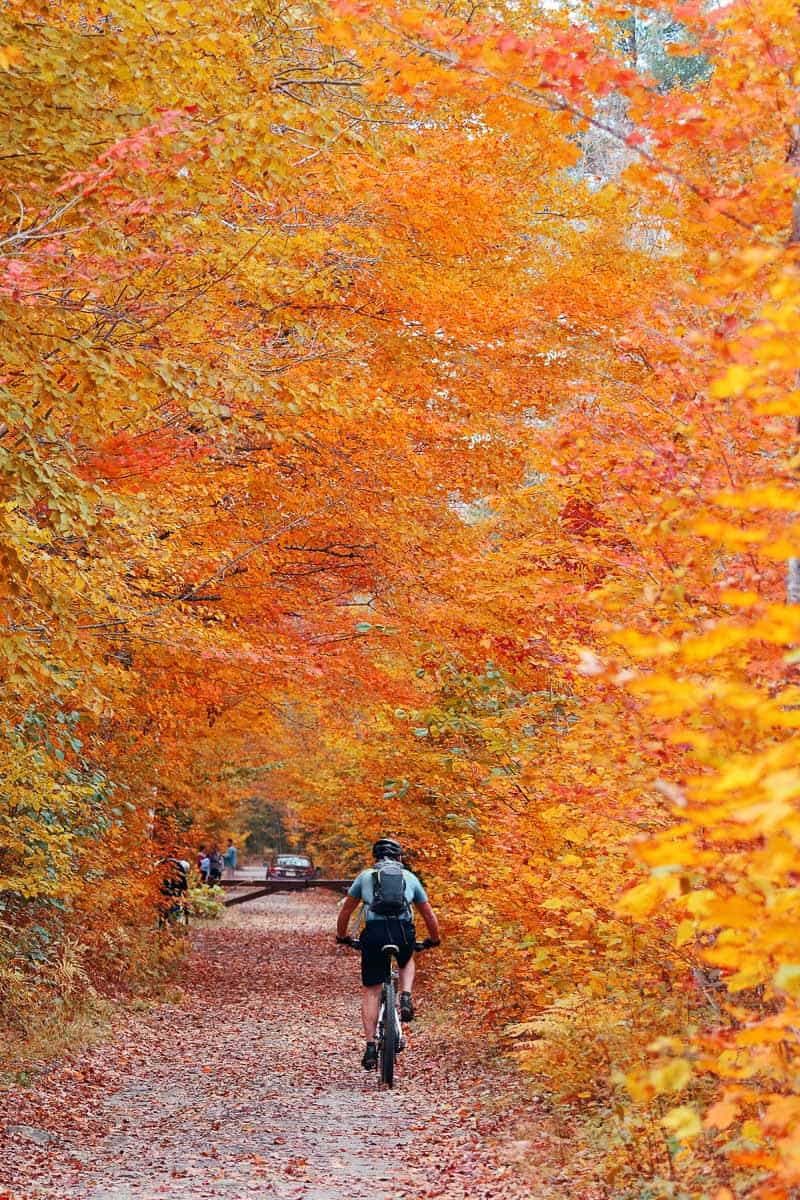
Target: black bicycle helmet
387,848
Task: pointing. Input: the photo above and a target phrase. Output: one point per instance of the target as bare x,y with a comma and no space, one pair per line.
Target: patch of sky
470,512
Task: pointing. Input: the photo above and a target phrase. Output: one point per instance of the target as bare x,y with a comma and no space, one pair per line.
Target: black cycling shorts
379,932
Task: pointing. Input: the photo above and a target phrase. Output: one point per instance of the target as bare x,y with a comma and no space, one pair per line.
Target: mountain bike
175,916
389,1037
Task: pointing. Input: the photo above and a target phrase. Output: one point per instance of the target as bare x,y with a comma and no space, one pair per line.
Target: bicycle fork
394,979
400,1041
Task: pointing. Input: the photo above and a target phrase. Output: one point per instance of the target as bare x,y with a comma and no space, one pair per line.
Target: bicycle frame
389,1036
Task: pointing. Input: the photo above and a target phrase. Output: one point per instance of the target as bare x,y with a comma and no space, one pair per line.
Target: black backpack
388,890
174,882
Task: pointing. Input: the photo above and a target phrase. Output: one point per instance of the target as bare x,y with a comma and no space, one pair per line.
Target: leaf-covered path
253,1086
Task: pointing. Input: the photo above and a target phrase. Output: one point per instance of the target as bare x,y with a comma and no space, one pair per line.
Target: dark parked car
292,866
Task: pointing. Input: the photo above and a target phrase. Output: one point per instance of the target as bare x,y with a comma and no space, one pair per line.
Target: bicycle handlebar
355,944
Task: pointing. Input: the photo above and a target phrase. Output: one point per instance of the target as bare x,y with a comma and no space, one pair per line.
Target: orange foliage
400,421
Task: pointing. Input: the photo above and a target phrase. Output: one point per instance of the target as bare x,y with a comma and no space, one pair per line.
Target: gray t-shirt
361,889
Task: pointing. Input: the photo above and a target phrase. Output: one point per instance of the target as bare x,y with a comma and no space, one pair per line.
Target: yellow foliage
643,899
737,379
672,1077
683,1122
363,465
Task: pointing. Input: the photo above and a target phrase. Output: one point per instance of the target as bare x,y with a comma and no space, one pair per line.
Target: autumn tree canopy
398,420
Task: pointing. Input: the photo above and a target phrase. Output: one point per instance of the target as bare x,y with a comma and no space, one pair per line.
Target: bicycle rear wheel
387,1051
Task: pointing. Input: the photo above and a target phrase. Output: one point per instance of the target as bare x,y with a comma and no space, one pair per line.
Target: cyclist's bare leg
370,1007
406,975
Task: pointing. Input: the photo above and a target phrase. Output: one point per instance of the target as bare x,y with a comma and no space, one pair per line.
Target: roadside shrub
206,902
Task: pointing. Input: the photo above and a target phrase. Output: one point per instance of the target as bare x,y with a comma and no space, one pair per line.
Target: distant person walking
230,858
205,866
214,866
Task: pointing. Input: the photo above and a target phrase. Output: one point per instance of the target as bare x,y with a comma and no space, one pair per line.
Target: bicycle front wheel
387,1051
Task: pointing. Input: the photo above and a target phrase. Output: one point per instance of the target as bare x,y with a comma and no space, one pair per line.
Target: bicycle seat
394,949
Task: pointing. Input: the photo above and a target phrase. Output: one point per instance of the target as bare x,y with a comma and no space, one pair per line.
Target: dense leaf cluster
398,419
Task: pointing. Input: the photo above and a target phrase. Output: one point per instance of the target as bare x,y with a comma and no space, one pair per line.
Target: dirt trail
253,1086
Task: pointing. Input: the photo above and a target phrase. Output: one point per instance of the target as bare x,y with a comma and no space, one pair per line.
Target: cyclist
378,931
174,888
